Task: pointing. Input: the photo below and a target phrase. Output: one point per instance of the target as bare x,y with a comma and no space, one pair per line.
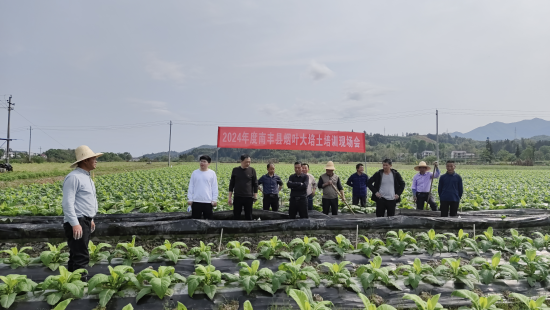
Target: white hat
83,152
421,164
330,166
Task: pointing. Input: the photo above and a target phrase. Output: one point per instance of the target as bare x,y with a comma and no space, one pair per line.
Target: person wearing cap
330,184
79,207
270,184
421,185
386,186
358,183
202,194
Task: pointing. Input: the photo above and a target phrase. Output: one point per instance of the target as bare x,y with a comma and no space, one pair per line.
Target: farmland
163,189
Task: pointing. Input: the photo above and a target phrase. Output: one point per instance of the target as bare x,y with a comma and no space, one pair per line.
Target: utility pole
169,143
8,146
30,139
437,133
40,150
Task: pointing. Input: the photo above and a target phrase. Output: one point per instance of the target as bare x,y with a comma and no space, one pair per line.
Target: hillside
502,131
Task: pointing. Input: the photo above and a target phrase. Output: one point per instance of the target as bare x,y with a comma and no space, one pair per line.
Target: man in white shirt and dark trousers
79,207
202,195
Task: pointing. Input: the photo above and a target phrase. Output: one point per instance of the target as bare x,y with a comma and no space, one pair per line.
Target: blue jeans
310,202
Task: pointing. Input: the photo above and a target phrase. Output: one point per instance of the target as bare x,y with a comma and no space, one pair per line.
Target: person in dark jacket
270,184
244,183
298,183
358,182
386,186
450,190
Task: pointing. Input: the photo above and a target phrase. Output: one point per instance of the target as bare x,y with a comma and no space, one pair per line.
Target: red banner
290,139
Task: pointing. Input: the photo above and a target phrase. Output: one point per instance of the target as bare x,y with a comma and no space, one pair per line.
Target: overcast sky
111,74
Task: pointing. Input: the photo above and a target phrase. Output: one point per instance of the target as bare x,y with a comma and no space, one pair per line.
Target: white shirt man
202,194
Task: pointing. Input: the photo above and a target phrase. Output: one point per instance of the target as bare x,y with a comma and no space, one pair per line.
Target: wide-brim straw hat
330,166
421,164
83,152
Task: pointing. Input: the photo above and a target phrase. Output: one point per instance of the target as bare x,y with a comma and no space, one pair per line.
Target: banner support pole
217,149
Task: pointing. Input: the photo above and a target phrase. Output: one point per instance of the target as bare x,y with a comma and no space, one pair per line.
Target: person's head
305,168
422,169
298,168
271,168
386,164
329,168
88,164
245,160
450,165
205,161
360,168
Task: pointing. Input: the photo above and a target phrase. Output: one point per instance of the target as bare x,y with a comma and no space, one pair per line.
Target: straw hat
83,152
330,166
421,164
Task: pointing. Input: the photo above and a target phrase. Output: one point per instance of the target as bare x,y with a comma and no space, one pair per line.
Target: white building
427,153
462,154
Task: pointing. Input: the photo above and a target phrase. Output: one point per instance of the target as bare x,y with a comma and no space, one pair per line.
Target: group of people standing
386,186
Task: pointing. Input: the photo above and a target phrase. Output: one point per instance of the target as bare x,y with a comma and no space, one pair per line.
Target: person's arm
231,187
400,184
460,187
436,173
370,183
70,187
260,183
280,183
339,185
320,183
254,184
191,189
313,185
215,190
349,182
413,187
441,185
303,185
291,183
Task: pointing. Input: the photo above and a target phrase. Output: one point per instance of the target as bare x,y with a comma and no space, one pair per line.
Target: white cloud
362,91
165,70
318,71
155,106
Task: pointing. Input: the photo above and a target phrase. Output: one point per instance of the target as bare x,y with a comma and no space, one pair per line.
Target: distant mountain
541,138
199,147
502,131
176,154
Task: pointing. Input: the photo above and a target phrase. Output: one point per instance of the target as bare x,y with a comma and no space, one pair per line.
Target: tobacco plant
269,248
530,303
489,241
206,279
461,241
418,272
120,278
160,281
518,242
239,250
431,304
308,247
493,270
451,268
542,242
96,255
251,276
536,267
338,274
202,253
66,284
294,275
305,302
168,251
18,258
129,252
400,241
369,274
371,306
53,258
341,246
478,303
371,246
14,285
432,241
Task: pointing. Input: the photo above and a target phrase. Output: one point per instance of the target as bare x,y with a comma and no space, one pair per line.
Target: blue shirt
79,198
358,183
270,184
450,187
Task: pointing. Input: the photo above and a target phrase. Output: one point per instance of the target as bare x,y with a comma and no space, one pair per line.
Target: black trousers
330,205
359,200
298,205
385,206
200,209
242,202
421,200
79,257
271,201
310,202
447,206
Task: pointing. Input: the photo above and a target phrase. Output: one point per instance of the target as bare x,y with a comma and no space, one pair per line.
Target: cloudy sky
111,74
